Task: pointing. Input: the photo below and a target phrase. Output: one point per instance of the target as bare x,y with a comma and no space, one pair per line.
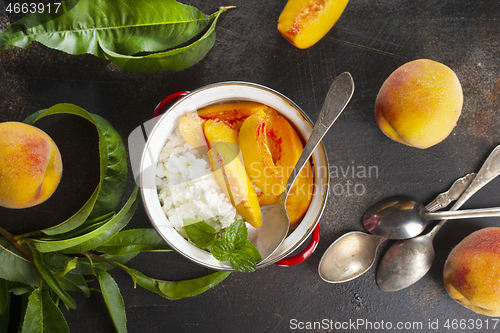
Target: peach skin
471,273
30,165
419,104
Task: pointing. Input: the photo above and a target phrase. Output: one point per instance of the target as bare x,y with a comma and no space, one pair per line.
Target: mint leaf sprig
232,243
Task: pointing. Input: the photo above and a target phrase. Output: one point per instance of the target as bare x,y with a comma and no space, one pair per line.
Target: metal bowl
223,93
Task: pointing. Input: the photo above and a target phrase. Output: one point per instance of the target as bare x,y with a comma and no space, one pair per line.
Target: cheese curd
187,187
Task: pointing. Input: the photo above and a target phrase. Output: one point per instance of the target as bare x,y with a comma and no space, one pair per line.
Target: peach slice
257,154
305,22
191,128
231,113
218,131
235,183
271,147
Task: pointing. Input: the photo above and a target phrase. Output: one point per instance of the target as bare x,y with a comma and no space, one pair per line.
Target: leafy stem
12,239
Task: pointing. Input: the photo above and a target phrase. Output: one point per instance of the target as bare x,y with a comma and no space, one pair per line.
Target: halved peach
235,183
231,113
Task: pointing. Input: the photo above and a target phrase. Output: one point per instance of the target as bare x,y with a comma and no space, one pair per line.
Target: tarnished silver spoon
407,261
353,254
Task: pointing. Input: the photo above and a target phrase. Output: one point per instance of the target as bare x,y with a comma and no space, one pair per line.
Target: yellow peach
419,104
471,273
30,165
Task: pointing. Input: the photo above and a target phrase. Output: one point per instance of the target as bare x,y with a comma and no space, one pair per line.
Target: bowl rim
319,152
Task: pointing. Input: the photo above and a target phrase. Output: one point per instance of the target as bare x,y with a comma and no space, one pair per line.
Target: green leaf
79,217
252,251
42,315
236,234
75,282
242,261
115,178
4,296
15,267
57,262
180,289
5,317
52,281
71,265
221,250
200,233
172,60
133,241
95,238
119,29
19,289
84,228
113,299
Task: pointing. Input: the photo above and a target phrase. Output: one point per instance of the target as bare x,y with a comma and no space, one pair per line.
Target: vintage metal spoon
275,222
402,217
353,254
408,261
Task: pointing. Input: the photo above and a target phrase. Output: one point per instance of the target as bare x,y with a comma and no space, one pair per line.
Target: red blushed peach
30,165
472,272
419,103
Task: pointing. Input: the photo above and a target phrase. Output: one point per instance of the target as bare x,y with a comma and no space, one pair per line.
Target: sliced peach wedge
235,183
271,147
191,128
231,113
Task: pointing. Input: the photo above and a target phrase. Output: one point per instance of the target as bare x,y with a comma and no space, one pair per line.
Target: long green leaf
79,217
172,60
134,240
115,178
113,300
117,30
5,317
75,282
42,315
52,281
57,262
95,238
4,296
15,267
180,289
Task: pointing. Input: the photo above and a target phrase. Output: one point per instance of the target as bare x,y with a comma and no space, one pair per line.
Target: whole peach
30,165
419,103
472,272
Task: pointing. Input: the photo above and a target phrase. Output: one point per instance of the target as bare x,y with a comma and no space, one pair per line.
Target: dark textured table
371,39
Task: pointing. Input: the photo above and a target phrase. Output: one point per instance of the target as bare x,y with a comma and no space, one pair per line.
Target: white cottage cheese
187,187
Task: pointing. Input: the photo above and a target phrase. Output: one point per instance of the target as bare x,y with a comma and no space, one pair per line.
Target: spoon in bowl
353,254
408,261
275,222
403,217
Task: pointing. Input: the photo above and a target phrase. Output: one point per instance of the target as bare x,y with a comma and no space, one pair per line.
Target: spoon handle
489,170
455,191
338,96
463,214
